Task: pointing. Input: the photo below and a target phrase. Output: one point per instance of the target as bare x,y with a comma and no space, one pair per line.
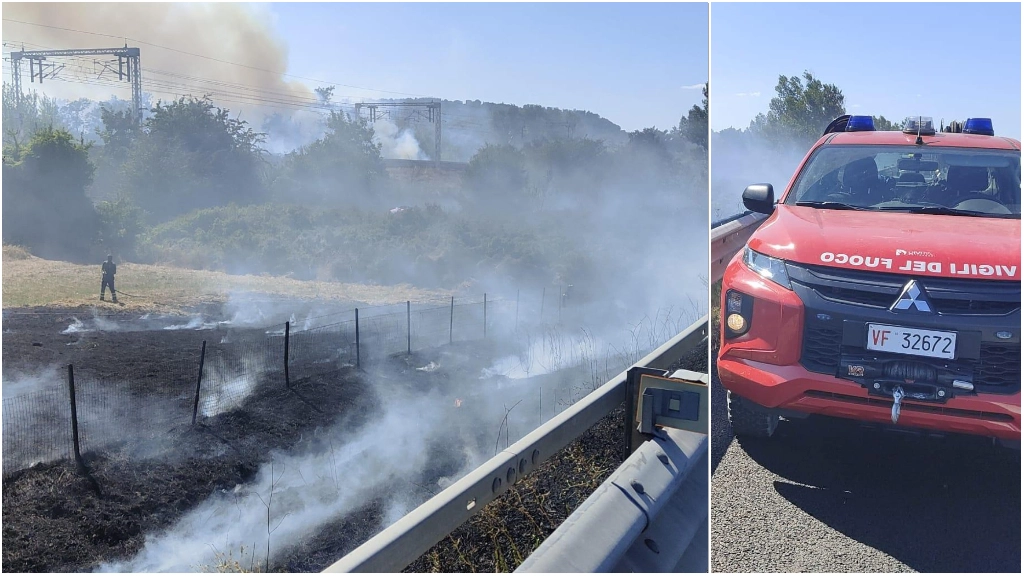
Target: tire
750,419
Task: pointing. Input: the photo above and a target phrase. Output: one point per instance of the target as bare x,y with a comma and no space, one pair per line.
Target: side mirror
759,198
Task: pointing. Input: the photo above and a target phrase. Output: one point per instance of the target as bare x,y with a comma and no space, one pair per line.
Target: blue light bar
860,124
979,126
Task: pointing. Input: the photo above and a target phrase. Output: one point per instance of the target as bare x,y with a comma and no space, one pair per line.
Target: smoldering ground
425,427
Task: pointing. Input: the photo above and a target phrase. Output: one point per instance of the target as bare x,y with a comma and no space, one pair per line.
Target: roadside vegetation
194,187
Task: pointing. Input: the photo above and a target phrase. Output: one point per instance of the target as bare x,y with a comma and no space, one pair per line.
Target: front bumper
803,345
794,388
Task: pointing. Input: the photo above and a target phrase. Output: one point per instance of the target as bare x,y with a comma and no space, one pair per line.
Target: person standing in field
109,269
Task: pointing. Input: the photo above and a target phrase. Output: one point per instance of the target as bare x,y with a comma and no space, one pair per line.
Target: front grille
999,365
878,290
980,307
996,370
821,347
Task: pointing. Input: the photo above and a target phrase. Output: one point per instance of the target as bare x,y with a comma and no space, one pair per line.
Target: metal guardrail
403,542
643,518
728,238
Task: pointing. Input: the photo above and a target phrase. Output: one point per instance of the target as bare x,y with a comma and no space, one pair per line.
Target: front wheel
751,419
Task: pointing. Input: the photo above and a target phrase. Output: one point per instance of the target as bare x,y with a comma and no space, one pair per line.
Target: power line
126,38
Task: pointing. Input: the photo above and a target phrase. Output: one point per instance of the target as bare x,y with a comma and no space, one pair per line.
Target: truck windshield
957,181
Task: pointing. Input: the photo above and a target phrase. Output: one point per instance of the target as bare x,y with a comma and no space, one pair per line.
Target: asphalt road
825,495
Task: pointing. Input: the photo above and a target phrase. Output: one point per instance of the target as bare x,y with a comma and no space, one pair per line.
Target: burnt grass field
58,517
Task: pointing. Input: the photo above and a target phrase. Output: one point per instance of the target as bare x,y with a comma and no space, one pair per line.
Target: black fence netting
37,428
139,404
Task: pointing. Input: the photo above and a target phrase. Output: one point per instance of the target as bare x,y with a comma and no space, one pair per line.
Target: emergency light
979,126
860,124
922,125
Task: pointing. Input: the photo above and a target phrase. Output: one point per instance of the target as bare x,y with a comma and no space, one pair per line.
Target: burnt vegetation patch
62,517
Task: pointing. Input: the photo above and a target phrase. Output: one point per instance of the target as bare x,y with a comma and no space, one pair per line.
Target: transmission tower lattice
433,115
129,68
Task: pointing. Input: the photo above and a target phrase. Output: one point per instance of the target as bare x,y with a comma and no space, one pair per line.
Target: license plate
913,341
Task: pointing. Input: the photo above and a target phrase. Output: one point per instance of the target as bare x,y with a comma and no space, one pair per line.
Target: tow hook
897,395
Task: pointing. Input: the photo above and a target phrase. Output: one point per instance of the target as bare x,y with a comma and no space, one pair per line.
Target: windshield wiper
827,205
946,211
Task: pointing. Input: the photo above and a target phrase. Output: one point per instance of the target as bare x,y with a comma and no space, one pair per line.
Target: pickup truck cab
884,286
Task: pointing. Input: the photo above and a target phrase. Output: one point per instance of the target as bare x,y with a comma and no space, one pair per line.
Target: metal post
451,323
357,338
287,331
199,382
485,314
408,326
74,415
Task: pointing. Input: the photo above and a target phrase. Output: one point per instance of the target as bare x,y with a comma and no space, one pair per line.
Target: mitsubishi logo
912,297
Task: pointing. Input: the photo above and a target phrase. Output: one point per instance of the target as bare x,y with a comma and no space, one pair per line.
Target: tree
324,95
496,177
882,124
120,224
191,155
800,111
24,114
342,167
45,207
694,126
566,166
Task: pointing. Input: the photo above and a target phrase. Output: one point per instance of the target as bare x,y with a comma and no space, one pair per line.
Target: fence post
287,332
560,292
485,314
543,297
451,322
199,382
408,326
357,338
74,415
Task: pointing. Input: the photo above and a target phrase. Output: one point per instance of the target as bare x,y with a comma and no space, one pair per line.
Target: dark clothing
108,281
109,269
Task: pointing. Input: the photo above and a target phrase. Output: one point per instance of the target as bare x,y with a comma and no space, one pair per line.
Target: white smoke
398,144
295,494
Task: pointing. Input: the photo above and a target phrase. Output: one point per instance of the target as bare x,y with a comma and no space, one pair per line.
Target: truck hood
915,244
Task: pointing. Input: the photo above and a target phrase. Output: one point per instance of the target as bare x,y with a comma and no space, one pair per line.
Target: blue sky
633,64
961,60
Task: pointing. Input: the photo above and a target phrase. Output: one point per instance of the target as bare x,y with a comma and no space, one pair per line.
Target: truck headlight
773,269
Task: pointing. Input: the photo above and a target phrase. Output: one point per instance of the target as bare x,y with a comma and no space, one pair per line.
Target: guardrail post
199,381
451,323
630,435
287,331
74,415
408,326
357,339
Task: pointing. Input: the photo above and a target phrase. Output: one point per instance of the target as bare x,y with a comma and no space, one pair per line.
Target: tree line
193,185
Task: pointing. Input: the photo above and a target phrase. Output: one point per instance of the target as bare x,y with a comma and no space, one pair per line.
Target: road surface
832,496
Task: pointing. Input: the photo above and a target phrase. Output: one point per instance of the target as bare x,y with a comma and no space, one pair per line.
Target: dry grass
31,281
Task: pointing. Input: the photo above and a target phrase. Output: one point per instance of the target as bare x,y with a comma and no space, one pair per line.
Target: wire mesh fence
139,403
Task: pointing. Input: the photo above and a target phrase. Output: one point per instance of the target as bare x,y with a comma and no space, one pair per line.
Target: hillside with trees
194,186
